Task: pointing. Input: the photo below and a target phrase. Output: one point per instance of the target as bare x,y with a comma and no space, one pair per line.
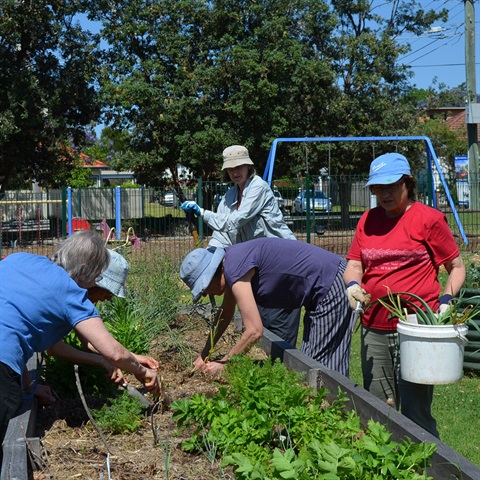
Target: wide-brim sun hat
387,169
114,277
235,156
198,269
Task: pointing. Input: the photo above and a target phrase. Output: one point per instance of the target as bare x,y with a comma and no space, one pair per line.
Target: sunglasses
381,189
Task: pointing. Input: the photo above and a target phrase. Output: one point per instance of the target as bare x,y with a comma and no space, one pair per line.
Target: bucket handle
461,337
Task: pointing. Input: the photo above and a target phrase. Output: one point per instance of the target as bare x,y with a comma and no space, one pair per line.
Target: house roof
454,117
89,162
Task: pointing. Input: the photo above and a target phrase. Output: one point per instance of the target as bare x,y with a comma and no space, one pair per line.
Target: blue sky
441,53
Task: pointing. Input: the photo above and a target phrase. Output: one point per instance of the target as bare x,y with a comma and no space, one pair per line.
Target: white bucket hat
235,156
114,277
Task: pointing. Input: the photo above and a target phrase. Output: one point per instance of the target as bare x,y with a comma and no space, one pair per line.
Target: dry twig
85,406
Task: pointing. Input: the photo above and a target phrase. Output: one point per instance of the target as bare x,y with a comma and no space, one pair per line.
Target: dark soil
72,447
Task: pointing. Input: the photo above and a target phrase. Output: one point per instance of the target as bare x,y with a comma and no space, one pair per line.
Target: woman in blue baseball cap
399,245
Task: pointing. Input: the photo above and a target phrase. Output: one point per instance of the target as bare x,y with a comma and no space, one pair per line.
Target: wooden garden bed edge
447,464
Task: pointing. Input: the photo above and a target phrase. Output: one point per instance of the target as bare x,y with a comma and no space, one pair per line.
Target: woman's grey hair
251,173
84,257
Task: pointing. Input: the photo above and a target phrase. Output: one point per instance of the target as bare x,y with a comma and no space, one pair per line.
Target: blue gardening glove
191,206
444,303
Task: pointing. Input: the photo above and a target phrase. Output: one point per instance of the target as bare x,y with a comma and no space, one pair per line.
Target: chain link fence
320,210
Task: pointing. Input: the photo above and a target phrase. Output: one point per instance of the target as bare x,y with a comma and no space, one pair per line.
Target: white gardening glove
356,293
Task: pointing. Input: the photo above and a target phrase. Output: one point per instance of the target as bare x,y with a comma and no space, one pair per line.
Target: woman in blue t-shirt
41,301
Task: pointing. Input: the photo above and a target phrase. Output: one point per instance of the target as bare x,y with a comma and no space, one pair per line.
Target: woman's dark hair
226,176
411,185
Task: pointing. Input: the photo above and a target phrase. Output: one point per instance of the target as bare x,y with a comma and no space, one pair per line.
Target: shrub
59,374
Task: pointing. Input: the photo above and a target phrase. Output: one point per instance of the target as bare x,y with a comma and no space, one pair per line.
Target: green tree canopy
179,80
47,89
187,78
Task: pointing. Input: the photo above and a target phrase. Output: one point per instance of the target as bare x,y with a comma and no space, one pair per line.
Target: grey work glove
356,293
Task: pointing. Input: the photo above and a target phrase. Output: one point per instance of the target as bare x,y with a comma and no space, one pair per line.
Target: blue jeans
381,376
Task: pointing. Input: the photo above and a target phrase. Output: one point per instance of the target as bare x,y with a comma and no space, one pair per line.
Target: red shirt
403,253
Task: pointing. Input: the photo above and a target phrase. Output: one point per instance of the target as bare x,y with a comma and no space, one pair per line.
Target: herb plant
123,414
267,424
125,322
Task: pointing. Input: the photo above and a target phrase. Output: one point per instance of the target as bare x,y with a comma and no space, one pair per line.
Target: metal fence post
200,202
69,209
118,213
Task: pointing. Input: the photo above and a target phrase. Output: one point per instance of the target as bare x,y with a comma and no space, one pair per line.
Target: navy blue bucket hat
199,267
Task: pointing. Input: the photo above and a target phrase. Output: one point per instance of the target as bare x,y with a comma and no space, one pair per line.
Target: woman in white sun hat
249,210
112,281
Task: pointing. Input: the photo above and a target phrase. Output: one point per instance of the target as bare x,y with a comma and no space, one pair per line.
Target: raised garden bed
447,464
74,449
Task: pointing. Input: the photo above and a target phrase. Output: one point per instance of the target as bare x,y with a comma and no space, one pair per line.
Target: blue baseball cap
198,269
387,169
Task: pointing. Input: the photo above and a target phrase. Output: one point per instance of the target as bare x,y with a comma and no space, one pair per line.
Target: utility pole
473,108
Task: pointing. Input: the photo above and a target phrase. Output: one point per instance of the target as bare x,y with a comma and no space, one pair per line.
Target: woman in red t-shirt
398,245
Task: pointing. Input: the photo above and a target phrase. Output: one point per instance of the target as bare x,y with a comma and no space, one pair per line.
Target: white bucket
431,354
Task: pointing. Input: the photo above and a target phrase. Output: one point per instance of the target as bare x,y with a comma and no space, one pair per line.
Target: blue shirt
288,274
39,306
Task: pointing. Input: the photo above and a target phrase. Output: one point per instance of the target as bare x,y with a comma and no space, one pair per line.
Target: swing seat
131,239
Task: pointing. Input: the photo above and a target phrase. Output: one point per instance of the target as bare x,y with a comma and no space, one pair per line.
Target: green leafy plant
266,423
59,374
154,286
473,275
125,322
123,414
401,304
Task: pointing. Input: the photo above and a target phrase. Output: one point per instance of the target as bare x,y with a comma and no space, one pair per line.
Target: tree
375,88
46,91
189,78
